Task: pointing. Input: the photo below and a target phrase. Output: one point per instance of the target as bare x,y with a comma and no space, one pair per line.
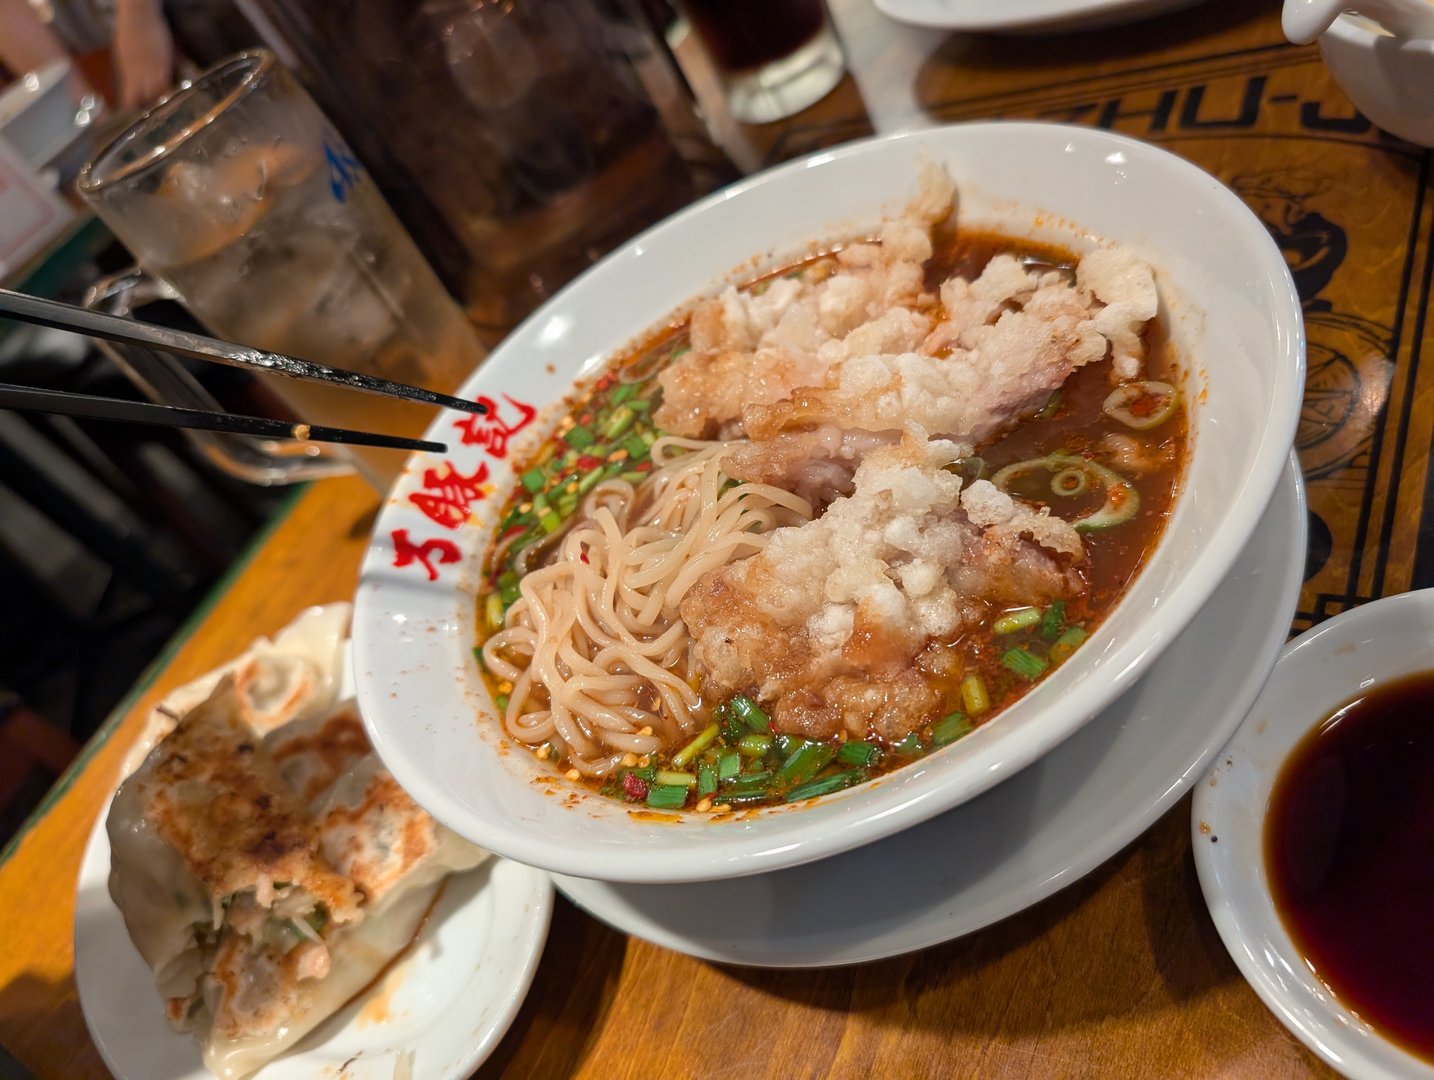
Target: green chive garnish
534,480
1024,662
706,779
805,762
622,393
620,420
752,781
1053,621
729,765
674,778
950,728
750,714
579,438
508,586
825,786
754,746
859,753
704,739
666,796
1066,644
909,746
974,694
1019,619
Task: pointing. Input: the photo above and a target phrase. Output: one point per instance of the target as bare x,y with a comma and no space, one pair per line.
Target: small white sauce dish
1383,59
1322,669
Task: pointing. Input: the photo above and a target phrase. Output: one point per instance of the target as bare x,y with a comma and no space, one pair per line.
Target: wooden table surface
1120,975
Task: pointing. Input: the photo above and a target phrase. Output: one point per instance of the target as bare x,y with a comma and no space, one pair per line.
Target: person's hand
143,52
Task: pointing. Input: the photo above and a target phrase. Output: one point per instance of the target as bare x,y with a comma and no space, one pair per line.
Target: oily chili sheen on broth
1073,423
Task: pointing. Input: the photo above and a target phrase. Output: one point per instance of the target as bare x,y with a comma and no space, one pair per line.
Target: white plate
444,1005
1232,313
1019,843
1317,673
1025,16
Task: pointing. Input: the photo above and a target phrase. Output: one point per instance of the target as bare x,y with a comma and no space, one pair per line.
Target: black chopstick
86,406
52,313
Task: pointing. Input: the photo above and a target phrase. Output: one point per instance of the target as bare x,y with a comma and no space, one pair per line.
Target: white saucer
441,1008
1320,671
1024,16
1023,840
446,1002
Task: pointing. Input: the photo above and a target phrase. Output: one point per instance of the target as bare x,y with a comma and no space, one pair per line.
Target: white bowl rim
751,854
1233,917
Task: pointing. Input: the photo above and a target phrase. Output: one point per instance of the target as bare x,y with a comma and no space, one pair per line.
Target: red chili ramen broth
746,763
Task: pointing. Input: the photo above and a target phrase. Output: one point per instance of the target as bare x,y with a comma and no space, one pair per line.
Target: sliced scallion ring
1143,404
1122,501
1069,483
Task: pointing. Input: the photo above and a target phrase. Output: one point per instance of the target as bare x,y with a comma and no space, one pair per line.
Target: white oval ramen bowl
1232,311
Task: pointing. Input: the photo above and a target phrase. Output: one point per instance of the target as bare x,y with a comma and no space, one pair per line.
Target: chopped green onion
706,779
635,447
579,438
640,406
647,772
567,503
633,477
752,781
534,480
740,798
974,694
1142,405
1068,483
909,746
950,728
676,779
623,392
509,586
754,746
478,656
1053,621
666,796
1023,662
549,520
703,740
805,762
620,420
493,611
750,713
1015,620
1066,644
589,480
502,702
825,786
859,753
729,765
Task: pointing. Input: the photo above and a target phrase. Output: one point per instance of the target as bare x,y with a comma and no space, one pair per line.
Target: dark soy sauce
1349,847
745,34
